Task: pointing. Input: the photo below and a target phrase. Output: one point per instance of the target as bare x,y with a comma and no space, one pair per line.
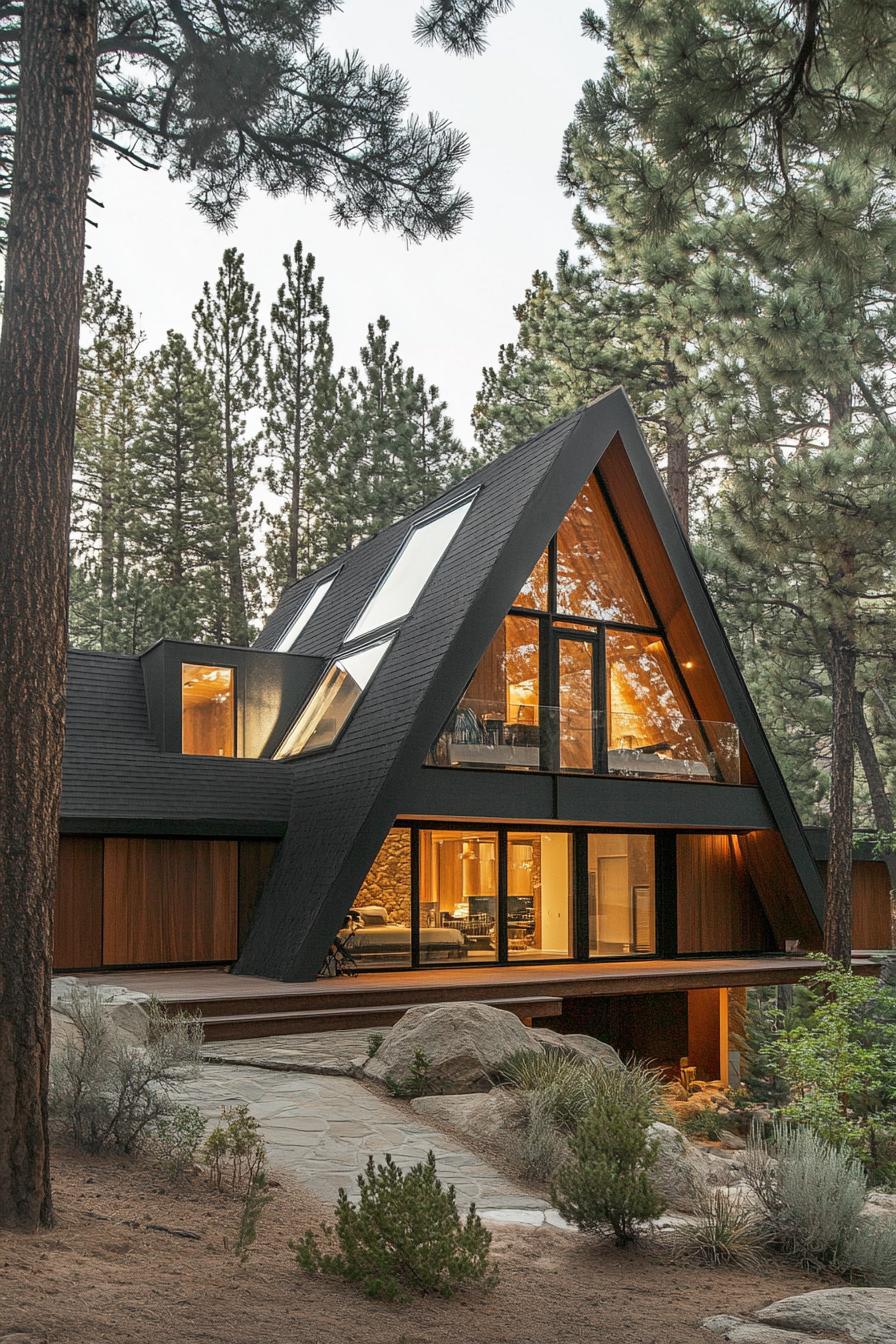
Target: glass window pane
576,685
458,896
650,728
207,710
410,571
328,711
621,896
377,930
539,895
534,592
595,576
303,615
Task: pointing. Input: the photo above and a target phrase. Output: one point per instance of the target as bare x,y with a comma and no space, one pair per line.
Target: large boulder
484,1116
736,1330
123,1008
62,1032
464,1043
586,1048
867,1315
681,1168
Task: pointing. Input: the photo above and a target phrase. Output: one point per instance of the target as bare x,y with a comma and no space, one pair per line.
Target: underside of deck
243,1005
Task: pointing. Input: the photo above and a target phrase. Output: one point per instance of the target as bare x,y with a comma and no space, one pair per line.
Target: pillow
372,915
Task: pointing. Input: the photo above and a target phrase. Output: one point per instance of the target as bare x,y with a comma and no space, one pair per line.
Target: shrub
108,1094
872,1252
416,1083
811,1193
374,1041
177,1137
255,1200
727,1230
571,1086
539,1149
703,1124
606,1183
839,1063
234,1153
405,1235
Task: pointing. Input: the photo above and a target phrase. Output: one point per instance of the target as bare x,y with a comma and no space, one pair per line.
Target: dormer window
208,718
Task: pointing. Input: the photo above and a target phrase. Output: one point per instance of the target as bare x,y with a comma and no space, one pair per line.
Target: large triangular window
580,677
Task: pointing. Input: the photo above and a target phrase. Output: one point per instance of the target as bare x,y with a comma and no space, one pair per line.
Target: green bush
606,1184
571,1086
416,1083
703,1124
106,1093
234,1153
539,1149
404,1236
177,1136
256,1198
374,1041
727,1230
839,1064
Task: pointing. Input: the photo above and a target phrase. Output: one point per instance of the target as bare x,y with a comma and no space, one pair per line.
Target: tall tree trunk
678,460
838,902
880,803
38,386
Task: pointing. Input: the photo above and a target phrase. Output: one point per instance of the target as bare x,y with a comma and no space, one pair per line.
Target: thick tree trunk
880,803
838,903
38,384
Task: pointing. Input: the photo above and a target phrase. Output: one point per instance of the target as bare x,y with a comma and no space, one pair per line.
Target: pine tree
182,517
109,405
229,343
300,402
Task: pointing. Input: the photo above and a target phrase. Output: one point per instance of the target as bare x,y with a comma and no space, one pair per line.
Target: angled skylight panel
410,571
333,701
303,615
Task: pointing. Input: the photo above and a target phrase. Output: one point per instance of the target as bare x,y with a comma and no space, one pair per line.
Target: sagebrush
405,1235
107,1093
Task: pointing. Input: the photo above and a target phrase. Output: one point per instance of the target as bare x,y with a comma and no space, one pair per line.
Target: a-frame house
503,742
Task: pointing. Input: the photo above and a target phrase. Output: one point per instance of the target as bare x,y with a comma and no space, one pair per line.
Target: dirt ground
103,1273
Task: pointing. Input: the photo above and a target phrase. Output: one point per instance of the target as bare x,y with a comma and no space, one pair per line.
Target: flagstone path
321,1130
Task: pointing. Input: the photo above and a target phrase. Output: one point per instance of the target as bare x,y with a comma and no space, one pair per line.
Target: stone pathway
328,1052
322,1129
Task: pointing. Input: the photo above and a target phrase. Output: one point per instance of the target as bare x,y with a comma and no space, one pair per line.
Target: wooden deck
243,1005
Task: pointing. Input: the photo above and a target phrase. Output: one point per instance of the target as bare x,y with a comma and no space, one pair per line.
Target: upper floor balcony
569,739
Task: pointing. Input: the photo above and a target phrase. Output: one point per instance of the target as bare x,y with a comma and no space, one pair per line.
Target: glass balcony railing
480,735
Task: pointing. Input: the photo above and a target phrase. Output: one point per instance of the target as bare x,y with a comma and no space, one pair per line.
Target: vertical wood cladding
718,908
779,888
870,903
169,900
78,919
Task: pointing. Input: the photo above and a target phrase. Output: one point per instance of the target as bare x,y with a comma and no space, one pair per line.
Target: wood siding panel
870,903
718,908
78,918
256,857
169,900
779,888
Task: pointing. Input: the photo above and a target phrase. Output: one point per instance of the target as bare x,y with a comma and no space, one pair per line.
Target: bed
371,937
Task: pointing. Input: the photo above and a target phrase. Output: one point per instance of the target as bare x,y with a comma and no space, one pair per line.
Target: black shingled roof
115,777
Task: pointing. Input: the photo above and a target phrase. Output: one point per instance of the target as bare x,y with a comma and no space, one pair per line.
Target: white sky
449,302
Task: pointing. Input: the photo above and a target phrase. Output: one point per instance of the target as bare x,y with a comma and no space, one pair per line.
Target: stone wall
388,882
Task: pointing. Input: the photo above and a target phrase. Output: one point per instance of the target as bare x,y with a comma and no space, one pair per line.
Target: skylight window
333,702
303,615
410,571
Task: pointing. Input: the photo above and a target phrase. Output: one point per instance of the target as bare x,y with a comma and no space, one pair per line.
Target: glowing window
303,615
207,710
332,703
595,577
410,571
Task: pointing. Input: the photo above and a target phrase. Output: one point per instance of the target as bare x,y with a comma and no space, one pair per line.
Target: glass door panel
576,690
539,895
621,896
458,896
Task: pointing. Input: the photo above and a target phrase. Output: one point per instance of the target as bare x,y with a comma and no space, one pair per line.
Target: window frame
326,582
353,635
234,715
387,640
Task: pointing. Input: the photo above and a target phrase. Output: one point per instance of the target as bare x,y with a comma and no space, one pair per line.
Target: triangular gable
345,802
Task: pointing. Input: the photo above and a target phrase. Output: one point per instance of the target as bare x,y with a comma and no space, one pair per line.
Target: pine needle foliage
404,1236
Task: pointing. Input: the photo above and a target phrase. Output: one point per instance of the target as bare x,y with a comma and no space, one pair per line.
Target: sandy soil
103,1274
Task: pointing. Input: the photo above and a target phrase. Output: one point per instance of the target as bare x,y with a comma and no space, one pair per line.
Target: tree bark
880,803
38,385
678,457
838,902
